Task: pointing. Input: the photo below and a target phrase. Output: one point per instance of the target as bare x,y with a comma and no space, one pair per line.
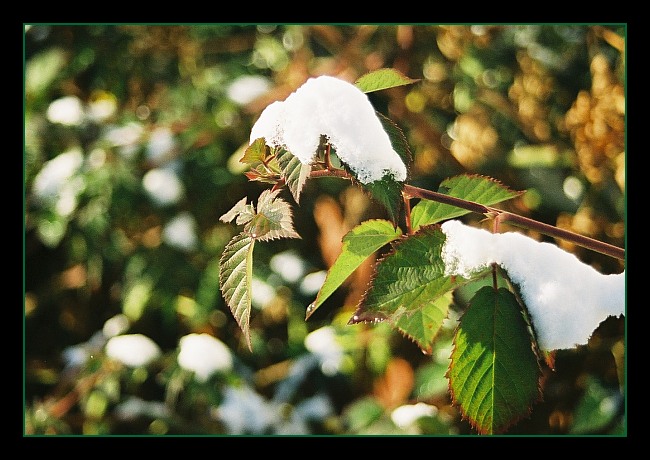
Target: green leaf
423,325
235,279
494,373
406,285
382,79
273,218
294,172
264,166
479,189
597,409
358,244
255,153
397,140
388,192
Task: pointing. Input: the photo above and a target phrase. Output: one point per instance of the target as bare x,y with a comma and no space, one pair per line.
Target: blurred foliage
132,139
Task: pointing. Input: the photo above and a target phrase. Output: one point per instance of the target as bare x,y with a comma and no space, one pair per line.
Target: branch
519,221
494,213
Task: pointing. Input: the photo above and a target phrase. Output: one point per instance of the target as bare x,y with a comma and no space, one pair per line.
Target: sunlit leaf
235,279
358,245
382,79
241,211
273,219
470,187
408,281
264,166
423,325
256,152
494,375
294,172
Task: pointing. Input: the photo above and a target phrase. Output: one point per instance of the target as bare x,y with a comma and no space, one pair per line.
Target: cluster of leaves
494,371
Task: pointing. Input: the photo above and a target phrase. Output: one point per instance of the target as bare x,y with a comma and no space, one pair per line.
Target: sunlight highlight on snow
566,298
329,106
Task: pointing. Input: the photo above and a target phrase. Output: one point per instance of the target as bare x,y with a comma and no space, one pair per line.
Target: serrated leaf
408,281
358,244
479,189
273,218
387,192
235,211
264,165
255,153
397,140
235,280
494,374
294,172
423,325
382,79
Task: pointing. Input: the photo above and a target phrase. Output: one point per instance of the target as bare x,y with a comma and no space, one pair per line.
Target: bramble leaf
479,189
241,208
358,244
408,281
388,191
235,279
255,153
382,79
273,218
494,375
294,172
423,325
264,166
397,140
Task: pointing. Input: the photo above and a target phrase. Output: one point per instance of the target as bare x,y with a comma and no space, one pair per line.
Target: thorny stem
498,214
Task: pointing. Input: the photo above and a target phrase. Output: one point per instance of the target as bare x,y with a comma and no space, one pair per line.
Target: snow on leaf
388,191
398,141
235,279
494,375
358,244
471,187
565,298
331,107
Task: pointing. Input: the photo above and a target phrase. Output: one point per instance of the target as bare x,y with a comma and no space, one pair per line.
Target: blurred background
132,140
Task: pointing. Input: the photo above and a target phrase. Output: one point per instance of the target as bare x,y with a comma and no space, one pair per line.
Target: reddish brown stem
494,213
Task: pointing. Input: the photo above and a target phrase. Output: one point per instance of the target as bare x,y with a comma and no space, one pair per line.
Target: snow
204,355
324,345
566,299
133,350
332,107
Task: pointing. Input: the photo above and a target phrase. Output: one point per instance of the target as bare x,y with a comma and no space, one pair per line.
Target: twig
494,213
